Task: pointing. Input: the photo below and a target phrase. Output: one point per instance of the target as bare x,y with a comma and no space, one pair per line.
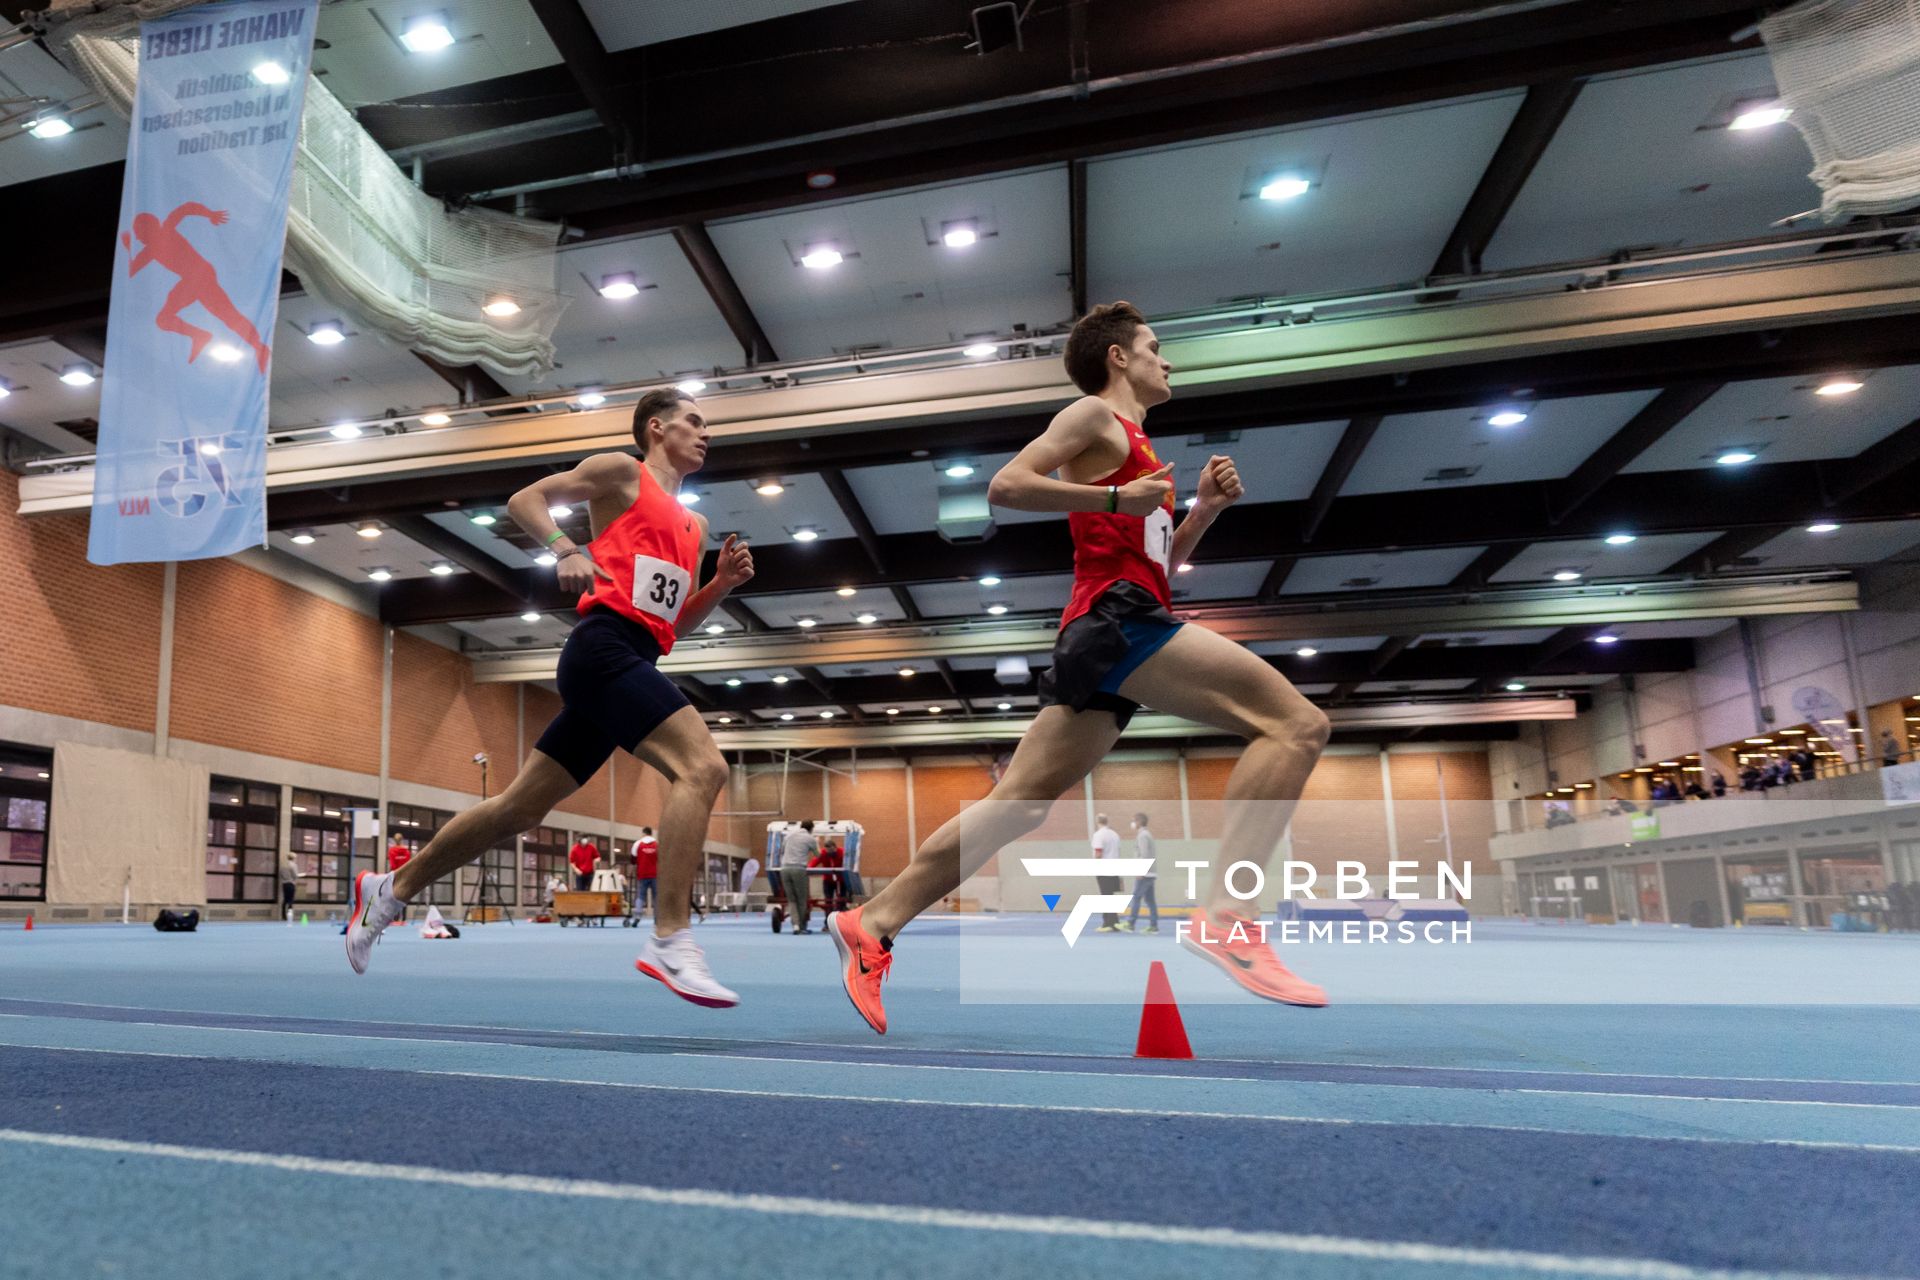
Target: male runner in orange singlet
1119,647
636,580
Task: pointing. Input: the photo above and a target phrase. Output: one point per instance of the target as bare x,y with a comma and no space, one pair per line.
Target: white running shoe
678,961
374,908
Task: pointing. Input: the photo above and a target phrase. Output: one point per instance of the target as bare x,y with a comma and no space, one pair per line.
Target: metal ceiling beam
587,61
1346,455
1276,579
939,731
470,382
1526,140
451,546
704,257
820,685
849,504
904,598
1668,410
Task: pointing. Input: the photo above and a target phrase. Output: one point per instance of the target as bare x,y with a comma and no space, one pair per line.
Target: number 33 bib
660,587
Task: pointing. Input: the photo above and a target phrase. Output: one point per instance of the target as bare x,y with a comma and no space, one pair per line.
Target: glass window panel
260,862
25,814
219,859
330,842
306,839
258,889
222,831
267,796
28,845
223,791
262,836
18,881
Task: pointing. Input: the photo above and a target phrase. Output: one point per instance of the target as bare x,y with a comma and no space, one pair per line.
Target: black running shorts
1101,648
611,692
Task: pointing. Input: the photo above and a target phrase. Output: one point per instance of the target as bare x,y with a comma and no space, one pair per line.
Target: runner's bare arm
1220,488
595,477
734,567
1025,485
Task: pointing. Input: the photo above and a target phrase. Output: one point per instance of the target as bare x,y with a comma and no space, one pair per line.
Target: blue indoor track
521,1102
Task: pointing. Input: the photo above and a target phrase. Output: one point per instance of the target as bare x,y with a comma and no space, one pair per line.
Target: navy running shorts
611,692
1098,650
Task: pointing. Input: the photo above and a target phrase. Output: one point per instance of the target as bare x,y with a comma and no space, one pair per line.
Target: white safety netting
1850,72
359,233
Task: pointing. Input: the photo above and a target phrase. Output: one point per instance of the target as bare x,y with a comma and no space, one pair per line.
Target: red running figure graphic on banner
162,242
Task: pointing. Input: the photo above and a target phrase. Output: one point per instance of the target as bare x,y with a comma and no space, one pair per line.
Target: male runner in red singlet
636,580
1119,647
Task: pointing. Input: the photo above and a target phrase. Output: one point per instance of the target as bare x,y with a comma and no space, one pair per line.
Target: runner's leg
682,750
529,798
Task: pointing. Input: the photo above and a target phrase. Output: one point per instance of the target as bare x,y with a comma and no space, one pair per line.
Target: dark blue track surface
1371,1139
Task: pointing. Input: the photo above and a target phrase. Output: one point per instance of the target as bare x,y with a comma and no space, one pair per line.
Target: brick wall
84,641
877,800
441,717
260,665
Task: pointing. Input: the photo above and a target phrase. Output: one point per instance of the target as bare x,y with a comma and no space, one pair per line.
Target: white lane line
985,1053
916,1216
1683,1097
1152,1113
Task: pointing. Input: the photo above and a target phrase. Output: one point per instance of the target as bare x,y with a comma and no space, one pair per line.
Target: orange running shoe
863,966
1237,945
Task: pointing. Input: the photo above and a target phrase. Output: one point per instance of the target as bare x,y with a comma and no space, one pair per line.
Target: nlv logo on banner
181,466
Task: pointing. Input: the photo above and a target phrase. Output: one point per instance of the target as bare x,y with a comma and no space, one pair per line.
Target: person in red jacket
584,856
646,870
398,855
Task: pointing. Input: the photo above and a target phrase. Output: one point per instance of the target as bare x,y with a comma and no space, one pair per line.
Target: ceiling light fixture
690,387
440,569
368,530
1507,418
1003,706
933,711
1606,638
47,128
996,610
530,616
1285,187
590,399
867,619
786,715
482,518
979,350
345,431
1514,686
1824,526
769,488
1838,387
380,575
1760,116
619,286
821,179
1185,568
435,419
326,333
501,308
726,719
826,715
959,235
989,581
806,624
716,629
304,538
1735,458
906,671
819,257
959,470
893,711
1567,575
781,679
845,592
806,533
77,375
733,682
6,388
1305,651
426,34
1621,539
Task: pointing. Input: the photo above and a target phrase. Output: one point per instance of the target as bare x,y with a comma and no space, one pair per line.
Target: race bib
1159,537
660,587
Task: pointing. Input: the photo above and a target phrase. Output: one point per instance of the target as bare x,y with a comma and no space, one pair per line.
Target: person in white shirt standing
1143,887
1106,844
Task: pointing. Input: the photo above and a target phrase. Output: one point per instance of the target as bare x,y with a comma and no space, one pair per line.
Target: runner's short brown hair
1092,335
660,403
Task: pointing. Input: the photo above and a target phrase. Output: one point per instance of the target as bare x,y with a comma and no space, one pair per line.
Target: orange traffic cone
1162,1034
29,922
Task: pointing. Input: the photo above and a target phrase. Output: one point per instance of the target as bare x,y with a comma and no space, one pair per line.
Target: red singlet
1110,548
652,549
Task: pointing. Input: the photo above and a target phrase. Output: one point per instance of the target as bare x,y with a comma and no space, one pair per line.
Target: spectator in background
1143,887
1106,846
1889,750
1719,784
796,850
289,881
1694,790
1750,777
583,857
399,853
554,885
646,872
1803,761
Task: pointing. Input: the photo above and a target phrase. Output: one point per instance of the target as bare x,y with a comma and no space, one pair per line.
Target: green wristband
1113,498
555,536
